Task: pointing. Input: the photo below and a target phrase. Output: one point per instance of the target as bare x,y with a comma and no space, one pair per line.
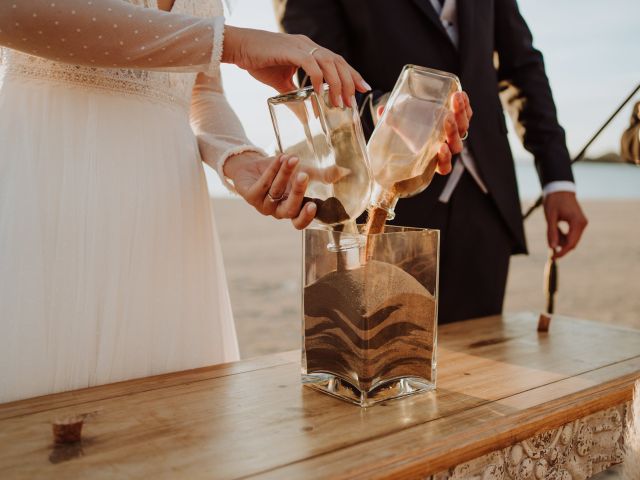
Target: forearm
217,128
526,93
111,33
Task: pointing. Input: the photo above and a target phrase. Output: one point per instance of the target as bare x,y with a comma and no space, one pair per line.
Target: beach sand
598,281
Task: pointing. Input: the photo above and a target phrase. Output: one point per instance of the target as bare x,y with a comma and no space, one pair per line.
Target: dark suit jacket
378,37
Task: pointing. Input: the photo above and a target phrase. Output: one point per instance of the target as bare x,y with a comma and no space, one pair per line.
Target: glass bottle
404,145
331,147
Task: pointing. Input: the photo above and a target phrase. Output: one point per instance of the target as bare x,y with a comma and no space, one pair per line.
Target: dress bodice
172,86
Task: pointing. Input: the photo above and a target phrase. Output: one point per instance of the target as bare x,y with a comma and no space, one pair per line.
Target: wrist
230,43
558,186
234,162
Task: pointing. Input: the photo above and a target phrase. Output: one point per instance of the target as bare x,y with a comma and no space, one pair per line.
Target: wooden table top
499,381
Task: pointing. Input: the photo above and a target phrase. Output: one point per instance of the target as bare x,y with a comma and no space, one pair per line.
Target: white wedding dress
110,266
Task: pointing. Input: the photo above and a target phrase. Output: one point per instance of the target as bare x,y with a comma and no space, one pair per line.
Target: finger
467,104
561,250
286,85
576,227
552,230
334,174
444,160
348,85
310,65
280,183
255,194
455,101
328,175
331,76
452,135
358,81
290,208
306,216
460,113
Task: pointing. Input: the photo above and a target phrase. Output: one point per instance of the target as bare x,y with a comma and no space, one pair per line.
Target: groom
489,46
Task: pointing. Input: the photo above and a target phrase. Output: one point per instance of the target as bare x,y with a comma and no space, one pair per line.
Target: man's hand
559,208
456,126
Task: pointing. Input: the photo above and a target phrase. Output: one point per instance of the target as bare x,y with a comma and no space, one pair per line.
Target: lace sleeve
216,126
111,33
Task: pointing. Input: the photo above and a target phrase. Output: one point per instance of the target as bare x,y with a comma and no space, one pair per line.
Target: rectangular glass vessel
370,313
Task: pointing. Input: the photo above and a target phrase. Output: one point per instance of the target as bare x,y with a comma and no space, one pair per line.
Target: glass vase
370,314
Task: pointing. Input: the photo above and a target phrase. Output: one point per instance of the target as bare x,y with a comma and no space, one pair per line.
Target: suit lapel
427,9
466,24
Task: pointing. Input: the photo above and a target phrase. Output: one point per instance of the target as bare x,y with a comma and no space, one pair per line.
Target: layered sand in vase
371,324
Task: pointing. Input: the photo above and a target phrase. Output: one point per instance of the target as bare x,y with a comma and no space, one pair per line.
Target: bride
110,267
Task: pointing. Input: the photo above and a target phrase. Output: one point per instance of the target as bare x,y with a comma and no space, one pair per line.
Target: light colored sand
599,281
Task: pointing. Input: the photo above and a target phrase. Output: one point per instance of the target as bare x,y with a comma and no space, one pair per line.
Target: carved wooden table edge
576,450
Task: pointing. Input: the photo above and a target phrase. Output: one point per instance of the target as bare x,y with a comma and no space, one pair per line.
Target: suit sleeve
527,95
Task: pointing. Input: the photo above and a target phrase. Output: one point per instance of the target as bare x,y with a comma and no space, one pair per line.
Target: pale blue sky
590,48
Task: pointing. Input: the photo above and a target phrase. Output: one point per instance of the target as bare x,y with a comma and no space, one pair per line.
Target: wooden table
511,403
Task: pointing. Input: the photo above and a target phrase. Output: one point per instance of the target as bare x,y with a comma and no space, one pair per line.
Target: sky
591,50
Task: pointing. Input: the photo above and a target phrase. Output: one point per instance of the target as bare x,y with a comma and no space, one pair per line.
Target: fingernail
302,177
311,207
283,158
293,161
364,84
340,103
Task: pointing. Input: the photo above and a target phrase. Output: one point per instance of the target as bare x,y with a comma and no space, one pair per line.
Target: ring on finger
278,199
313,50
464,137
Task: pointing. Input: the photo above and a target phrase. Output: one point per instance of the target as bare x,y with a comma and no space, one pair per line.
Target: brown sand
599,281
330,211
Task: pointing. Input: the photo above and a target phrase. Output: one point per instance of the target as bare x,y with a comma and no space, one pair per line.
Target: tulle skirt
110,266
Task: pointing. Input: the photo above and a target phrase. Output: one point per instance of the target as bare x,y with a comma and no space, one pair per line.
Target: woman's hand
269,185
274,58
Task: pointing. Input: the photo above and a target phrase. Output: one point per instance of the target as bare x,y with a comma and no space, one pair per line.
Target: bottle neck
384,200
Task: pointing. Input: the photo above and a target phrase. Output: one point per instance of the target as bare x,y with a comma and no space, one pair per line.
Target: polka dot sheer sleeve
111,33
217,128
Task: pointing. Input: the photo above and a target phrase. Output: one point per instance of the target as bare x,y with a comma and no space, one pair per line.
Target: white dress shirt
449,18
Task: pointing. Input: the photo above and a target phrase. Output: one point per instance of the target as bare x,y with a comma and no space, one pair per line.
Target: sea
594,181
